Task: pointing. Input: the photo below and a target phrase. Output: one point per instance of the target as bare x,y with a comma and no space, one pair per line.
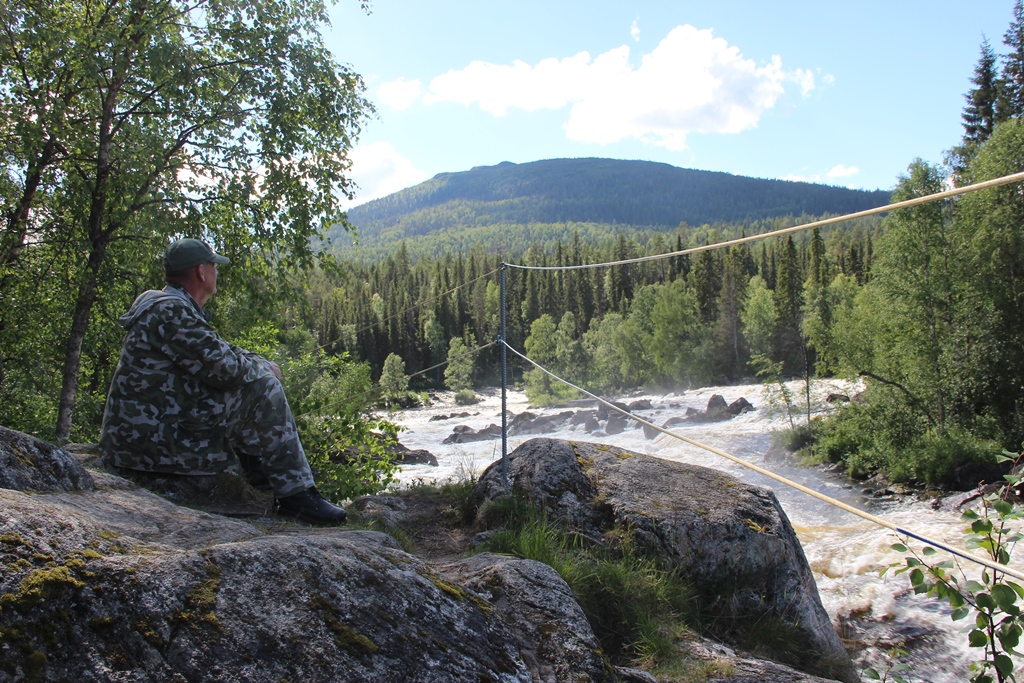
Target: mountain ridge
627,193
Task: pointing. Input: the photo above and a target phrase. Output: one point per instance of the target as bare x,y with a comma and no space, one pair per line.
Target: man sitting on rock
184,401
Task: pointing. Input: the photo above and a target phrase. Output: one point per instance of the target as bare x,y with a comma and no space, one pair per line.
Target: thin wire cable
1004,180
782,480
413,307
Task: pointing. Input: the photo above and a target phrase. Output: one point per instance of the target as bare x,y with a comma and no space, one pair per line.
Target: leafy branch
993,602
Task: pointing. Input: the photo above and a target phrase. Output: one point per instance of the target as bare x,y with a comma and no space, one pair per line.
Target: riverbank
846,554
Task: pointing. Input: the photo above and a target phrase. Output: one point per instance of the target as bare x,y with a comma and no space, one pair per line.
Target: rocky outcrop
407,456
106,581
439,418
717,410
602,420
732,540
400,454
113,583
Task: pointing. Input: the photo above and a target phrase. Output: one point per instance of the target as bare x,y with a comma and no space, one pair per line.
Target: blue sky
838,93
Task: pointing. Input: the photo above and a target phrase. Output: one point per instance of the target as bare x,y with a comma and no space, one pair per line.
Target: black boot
310,507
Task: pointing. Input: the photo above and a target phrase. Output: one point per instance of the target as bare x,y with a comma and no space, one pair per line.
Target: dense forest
492,205
600,325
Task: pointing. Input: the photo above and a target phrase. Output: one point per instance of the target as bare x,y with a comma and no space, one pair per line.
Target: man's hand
276,368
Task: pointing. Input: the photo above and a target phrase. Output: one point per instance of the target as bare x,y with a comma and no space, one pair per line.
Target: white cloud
634,29
805,78
496,88
691,82
796,178
399,94
841,171
378,169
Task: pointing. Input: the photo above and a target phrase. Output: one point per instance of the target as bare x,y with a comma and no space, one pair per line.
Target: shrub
992,600
465,397
347,447
889,439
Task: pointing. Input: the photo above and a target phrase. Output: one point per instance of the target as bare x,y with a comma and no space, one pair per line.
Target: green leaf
1003,507
1004,665
916,577
1009,636
1004,596
960,612
872,674
928,551
977,638
985,601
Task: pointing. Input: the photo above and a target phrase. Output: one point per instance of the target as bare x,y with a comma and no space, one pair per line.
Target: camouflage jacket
165,409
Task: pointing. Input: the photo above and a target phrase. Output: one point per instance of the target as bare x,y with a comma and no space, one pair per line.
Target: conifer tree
1011,97
706,280
817,320
728,333
979,115
789,303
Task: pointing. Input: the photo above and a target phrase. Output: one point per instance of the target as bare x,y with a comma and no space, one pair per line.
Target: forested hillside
456,210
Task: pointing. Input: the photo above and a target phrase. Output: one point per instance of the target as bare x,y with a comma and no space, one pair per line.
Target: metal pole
504,383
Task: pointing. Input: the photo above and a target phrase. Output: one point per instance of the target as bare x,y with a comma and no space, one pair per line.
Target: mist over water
846,553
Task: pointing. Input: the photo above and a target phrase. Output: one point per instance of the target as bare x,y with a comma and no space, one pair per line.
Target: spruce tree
980,113
706,280
1011,99
789,304
728,332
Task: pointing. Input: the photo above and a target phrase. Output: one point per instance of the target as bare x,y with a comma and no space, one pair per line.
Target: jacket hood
152,297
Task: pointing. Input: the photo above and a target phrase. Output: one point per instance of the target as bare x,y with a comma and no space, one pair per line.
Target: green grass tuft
638,610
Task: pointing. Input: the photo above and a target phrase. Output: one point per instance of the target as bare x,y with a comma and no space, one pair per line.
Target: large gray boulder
80,601
105,581
732,540
113,583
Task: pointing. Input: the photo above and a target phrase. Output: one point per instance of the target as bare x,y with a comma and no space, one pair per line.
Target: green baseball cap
189,252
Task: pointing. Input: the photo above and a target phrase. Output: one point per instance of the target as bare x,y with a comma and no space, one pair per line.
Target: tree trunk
99,238
73,349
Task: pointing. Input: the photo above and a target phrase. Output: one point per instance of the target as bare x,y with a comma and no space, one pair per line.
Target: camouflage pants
260,425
